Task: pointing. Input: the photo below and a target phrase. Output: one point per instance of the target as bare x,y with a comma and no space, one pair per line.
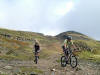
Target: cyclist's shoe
66,62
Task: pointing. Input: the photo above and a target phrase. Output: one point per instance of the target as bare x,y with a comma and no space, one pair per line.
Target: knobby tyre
63,61
73,61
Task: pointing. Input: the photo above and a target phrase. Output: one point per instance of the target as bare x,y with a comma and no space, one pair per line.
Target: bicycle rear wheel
73,61
63,61
36,59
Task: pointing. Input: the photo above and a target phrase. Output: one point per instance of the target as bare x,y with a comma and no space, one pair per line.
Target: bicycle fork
67,58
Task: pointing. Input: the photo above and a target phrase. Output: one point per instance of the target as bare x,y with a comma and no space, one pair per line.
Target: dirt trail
43,64
84,68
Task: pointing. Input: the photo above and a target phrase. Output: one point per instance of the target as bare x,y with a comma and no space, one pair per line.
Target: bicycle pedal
67,62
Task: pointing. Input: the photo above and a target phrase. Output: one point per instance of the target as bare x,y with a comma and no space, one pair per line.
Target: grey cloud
37,16
86,18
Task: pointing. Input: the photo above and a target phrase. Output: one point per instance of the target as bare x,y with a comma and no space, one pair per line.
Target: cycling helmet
69,38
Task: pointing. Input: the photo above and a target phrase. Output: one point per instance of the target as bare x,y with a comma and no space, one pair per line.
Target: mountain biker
68,44
37,48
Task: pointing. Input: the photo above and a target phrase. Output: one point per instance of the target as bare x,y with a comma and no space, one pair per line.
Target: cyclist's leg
66,55
35,52
35,55
63,47
69,54
66,52
38,54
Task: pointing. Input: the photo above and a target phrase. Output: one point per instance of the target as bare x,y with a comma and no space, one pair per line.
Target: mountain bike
36,57
70,58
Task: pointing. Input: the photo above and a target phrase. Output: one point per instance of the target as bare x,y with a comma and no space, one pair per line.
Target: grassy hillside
89,48
18,45
75,35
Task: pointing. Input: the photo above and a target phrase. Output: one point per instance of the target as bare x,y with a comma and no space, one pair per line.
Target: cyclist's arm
74,46
65,44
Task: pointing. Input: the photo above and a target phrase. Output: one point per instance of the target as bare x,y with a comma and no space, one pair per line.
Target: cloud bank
51,16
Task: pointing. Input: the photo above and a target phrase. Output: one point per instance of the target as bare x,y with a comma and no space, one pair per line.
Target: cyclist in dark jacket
37,48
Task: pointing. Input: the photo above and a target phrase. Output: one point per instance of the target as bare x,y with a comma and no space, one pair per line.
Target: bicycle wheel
63,61
36,59
73,61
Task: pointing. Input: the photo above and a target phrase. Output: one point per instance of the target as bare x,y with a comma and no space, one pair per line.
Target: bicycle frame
67,59
69,54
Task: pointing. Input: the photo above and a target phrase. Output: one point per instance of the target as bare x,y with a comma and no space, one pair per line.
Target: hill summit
75,35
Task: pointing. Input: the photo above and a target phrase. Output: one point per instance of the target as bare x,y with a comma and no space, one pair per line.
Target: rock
77,69
1,72
8,67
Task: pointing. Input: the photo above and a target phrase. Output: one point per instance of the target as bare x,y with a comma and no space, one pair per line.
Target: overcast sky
52,17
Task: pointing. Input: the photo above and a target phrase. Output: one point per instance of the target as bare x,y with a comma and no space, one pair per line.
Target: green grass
20,50
31,69
85,55
19,56
90,56
58,61
7,57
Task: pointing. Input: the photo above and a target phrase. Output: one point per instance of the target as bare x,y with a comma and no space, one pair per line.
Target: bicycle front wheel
63,61
73,61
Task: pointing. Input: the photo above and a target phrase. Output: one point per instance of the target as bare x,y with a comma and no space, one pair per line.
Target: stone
8,67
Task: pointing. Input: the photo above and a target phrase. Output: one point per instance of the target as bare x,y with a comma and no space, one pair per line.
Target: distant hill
75,35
